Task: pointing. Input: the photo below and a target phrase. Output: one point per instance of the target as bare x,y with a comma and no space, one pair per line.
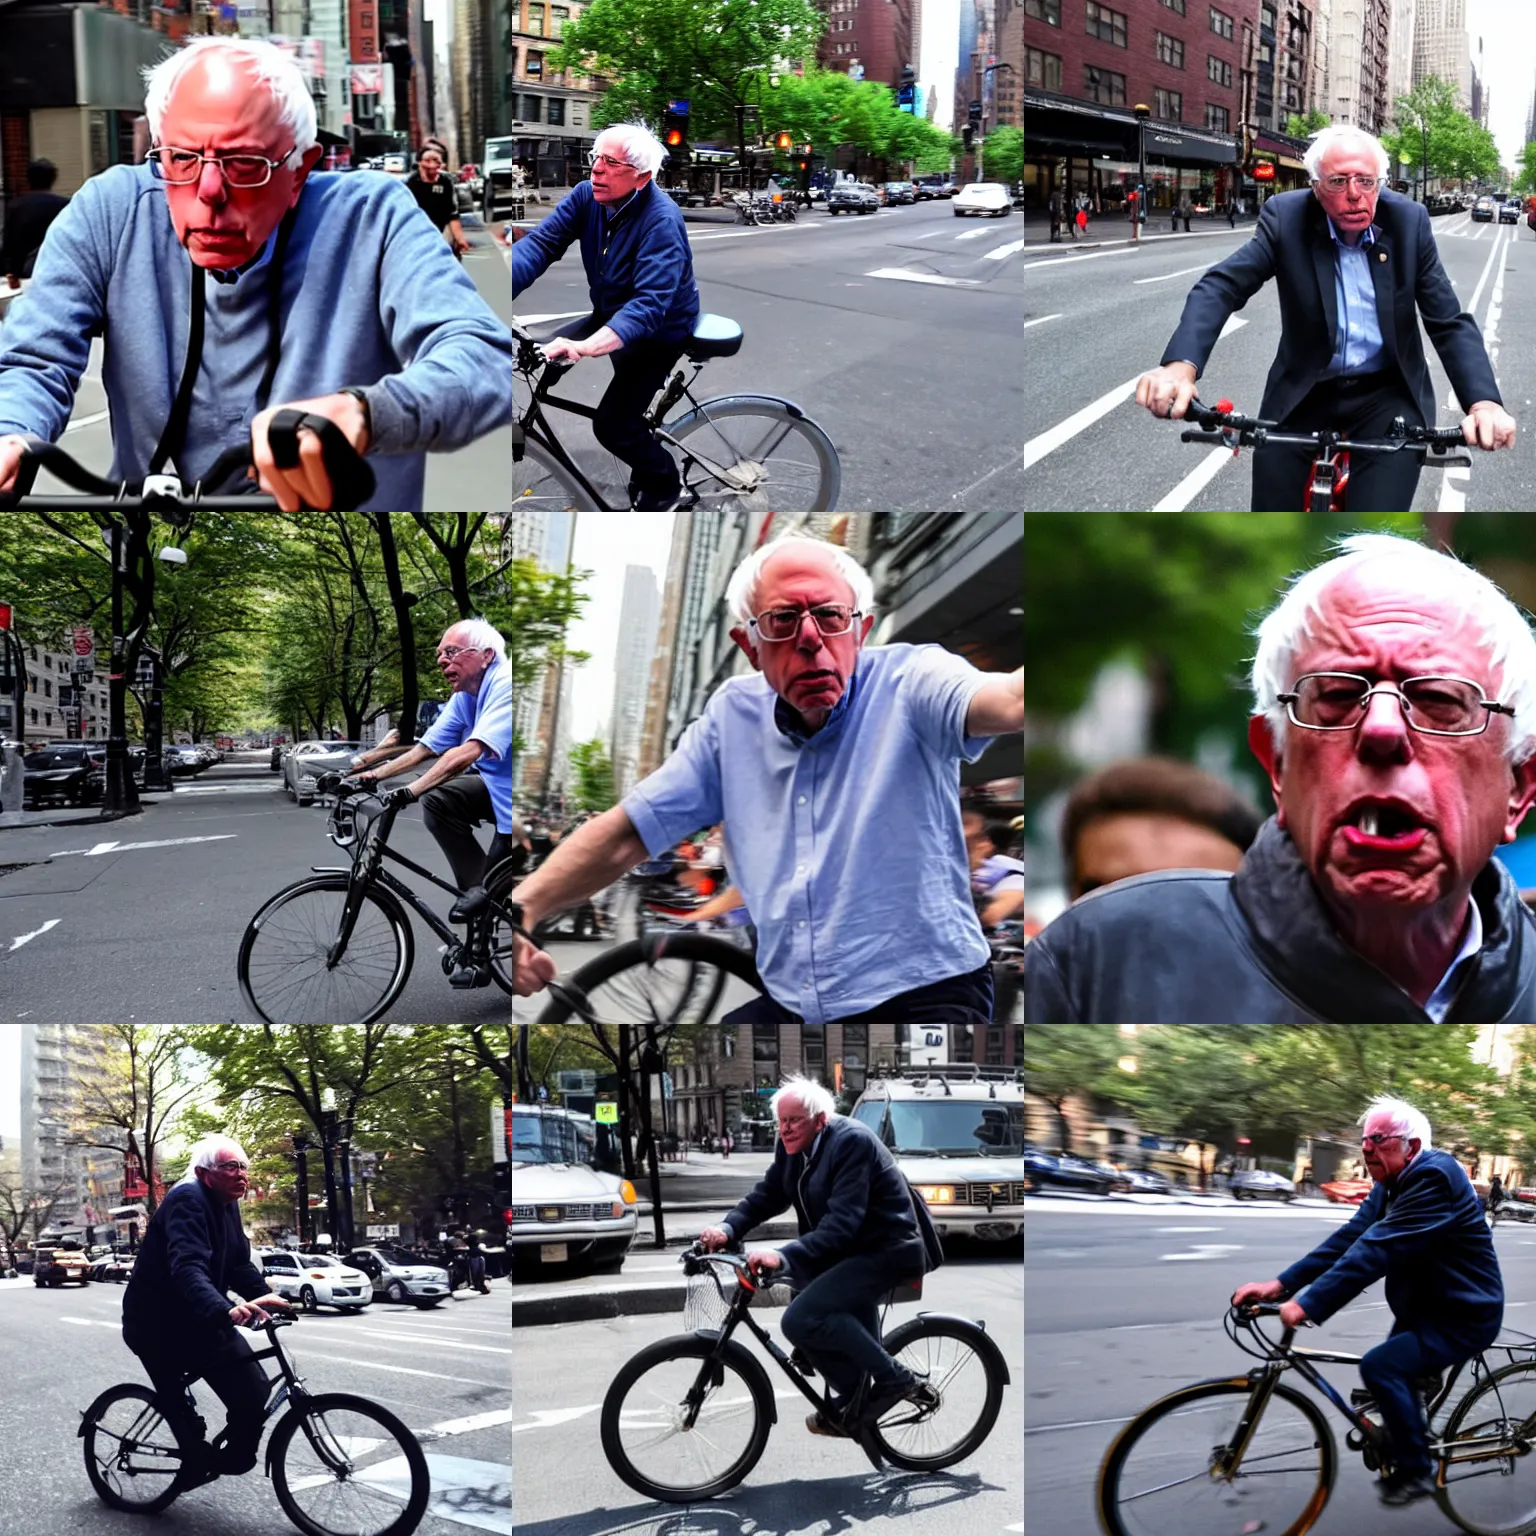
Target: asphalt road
897,332
1099,315
803,1485
110,929
1126,1301
444,1372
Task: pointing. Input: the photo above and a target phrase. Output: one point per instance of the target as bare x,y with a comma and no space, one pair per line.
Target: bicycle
350,476
1329,480
1269,1460
687,1418
337,947
335,1460
759,451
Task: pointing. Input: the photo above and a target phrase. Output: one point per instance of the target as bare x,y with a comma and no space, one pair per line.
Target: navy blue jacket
1291,244
849,1198
1424,1231
194,1250
639,264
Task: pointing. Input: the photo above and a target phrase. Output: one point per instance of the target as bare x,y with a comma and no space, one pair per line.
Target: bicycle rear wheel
1170,1471
284,967
342,1466
678,978
540,484
1490,1472
131,1455
771,457
963,1373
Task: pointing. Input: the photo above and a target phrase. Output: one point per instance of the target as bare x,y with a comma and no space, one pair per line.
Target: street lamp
1143,112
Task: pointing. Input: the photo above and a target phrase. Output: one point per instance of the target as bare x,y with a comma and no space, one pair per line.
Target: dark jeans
964,999
452,811
836,1321
1362,406
224,1360
1390,1370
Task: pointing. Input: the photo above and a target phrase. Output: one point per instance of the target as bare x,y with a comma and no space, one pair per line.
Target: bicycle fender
751,1368
721,401
978,1337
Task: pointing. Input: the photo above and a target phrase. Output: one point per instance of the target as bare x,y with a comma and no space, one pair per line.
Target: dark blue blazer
849,1198
639,263
1424,1231
194,1250
1291,244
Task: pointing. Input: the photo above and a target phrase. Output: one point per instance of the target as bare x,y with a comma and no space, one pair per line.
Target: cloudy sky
1508,64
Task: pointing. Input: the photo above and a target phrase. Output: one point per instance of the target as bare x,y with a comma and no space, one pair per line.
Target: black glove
398,799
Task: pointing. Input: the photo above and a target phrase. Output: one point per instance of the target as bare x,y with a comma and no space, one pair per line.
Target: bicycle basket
706,1306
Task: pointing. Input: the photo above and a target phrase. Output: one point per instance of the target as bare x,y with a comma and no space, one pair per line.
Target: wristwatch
361,396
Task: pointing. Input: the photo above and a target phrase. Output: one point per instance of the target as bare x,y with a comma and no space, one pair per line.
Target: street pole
155,776
118,796
1143,112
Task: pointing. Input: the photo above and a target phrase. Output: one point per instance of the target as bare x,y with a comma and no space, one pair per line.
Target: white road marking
1004,250
1453,490
87,421
161,842
979,233
1203,1251
474,1421
899,275
1118,247
26,938
1195,481
1182,272
1040,320
550,1418
227,789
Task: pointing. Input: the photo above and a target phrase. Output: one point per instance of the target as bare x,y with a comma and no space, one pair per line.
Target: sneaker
1406,1488
819,1424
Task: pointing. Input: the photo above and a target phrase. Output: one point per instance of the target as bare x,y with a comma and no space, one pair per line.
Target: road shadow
828,1507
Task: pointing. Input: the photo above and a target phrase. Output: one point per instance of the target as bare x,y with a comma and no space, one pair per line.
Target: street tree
1003,154
1062,1063
593,789
1299,125
1525,177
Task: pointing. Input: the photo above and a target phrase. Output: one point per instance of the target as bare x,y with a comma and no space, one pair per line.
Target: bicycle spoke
346,1472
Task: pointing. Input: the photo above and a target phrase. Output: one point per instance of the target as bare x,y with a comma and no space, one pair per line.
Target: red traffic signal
674,138
784,140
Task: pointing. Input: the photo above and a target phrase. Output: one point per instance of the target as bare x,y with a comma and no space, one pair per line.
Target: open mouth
1384,828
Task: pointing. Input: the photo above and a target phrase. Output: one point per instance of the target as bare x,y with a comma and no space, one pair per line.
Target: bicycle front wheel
1174,1469
1490,1474
342,1466
131,1455
680,980
541,484
966,1383
286,969
760,452
681,1423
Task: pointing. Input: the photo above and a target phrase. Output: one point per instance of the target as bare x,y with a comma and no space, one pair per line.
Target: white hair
637,144
481,635
810,1095
1471,597
269,64
741,594
1403,1118
204,1153
1332,137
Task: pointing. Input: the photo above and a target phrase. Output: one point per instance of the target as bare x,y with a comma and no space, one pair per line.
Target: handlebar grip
352,479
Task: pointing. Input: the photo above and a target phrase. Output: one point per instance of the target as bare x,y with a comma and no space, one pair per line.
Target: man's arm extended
997,707
590,859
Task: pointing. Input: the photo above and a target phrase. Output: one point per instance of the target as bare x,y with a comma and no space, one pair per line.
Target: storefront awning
1057,124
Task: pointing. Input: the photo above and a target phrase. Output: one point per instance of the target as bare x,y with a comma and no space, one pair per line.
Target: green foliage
1003,154
1061,1061
1437,138
594,776
1298,126
1525,178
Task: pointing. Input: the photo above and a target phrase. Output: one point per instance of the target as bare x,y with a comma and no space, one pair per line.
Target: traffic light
907,95
975,114
674,129
967,135
503,1176
783,140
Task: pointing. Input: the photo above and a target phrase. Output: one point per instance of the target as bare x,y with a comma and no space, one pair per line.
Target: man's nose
210,184
1385,726
808,635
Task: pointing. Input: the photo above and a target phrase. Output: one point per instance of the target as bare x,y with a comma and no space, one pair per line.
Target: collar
1368,238
788,720
1471,942
616,209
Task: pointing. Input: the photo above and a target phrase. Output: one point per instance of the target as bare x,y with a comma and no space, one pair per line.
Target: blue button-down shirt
1359,348
845,844
484,716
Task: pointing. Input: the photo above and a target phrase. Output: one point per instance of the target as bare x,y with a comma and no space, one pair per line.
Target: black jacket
26,222
1256,947
849,1198
194,1250
1291,244
1424,1231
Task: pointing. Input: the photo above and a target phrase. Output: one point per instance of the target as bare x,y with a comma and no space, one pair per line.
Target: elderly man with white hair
233,281
1355,267
1395,716
634,246
1421,1228
835,768
177,1315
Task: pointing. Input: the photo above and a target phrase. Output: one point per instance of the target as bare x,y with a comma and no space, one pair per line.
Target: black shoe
882,1399
647,501
1400,1489
471,904
198,1467
467,977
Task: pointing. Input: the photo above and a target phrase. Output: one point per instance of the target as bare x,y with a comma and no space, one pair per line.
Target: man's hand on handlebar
1487,425
765,1258
258,1310
306,484
562,350
532,969
1258,1290
11,450
713,1239
1167,390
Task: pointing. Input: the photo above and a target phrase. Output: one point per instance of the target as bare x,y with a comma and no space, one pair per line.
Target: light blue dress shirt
484,716
846,845
1440,1000
1360,348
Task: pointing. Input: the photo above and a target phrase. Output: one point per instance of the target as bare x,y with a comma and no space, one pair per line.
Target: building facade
639,616
1441,46
1361,61
870,39
547,111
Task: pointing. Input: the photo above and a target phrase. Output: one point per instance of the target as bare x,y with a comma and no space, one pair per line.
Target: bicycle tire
1108,1496
499,881
697,997
806,478
406,1443
925,1360
540,483
1476,1502
90,1427
691,1347
281,980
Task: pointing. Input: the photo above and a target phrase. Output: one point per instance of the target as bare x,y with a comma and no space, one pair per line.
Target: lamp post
1143,112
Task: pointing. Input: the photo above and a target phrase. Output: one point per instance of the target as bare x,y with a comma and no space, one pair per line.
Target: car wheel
306,799
307,1298
395,1291
429,1302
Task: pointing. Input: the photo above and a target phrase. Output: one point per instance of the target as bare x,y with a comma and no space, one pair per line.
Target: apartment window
1168,106
1048,11
765,1046
1218,118
558,16
1218,70
1042,69
1175,5
533,66
1221,23
535,21
1267,17
47,687
556,116
1103,86
813,1039
528,108
1106,25
855,1057
1170,50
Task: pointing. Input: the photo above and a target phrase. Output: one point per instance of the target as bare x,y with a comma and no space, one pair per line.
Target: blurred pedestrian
727,1141
27,220
436,195
1232,213
1185,209
1081,219
1055,207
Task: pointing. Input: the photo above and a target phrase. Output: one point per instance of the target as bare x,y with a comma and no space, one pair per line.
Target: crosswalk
1461,227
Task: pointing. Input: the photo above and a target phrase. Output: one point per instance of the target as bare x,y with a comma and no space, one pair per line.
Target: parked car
309,760
182,758
316,1280
279,752
989,198
1483,211
468,184
900,192
1146,1181
400,1276
1260,1184
852,197
565,1208
1044,1169
1509,211
54,1267
933,187
67,771
114,1267
1347,1191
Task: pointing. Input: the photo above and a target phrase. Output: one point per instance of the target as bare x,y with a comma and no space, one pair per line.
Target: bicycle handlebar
1221,424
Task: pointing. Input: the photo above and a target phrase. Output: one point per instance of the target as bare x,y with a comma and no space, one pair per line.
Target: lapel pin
1381,255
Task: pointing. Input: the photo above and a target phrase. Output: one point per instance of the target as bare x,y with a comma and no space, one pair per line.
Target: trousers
452,811
835,1319
963,999
225,1361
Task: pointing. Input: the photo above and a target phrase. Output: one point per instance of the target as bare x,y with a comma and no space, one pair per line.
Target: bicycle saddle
714,336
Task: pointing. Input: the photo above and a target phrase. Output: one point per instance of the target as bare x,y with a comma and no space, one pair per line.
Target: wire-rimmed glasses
1433,705
613,162
779,624
1360,183
181,167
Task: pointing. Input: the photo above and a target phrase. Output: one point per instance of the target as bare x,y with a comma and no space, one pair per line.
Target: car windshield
552,1139
320,1261
957,1128
54,757
400,1256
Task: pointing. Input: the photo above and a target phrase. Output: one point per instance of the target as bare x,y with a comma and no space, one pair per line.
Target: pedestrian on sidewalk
1232,213
726,1142
1082,218
1184,211
1055,207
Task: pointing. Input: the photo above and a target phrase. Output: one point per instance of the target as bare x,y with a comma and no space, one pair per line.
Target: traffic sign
85,641
607,1113
387,1229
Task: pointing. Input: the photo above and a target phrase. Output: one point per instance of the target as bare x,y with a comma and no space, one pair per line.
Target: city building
639,617
547,111
547,539
1400,29
1283,66
1360,57
868,39
54,707
1441,46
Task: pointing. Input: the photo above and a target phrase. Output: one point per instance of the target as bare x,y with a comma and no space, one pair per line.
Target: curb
45,820
595,1306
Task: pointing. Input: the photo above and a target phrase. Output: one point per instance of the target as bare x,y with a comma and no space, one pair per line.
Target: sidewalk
1115,229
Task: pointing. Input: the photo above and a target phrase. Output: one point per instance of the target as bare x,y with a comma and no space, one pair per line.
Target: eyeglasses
1359,183
776,624
1433,706
231,1167
1381,1136
793,1121
594,159
180,167
448,652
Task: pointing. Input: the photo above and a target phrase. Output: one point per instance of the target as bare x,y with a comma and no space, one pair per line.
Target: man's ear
747,648
1522,791
1261,743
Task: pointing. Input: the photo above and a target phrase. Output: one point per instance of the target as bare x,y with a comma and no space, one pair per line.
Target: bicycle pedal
801,1364
1362,1397
468,977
